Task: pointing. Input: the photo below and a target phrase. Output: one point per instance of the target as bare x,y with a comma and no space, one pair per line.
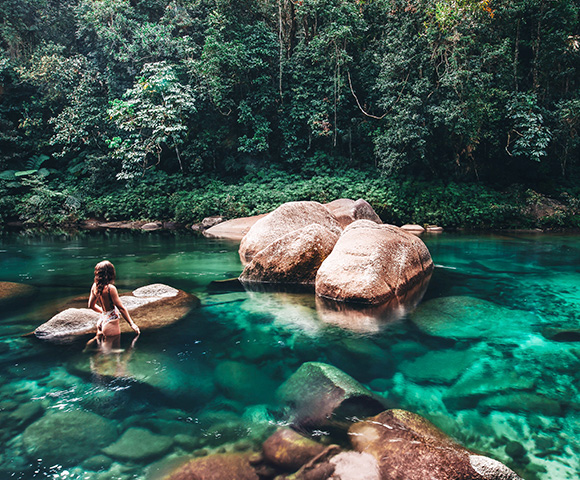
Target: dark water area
490,355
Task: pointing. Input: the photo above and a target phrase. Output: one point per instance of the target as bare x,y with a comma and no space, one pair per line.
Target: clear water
475,357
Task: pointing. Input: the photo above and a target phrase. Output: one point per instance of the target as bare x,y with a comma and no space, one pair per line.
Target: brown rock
151,307
406,446
372,263
232,229
13,292
293,258
285,219
230,466
412,228
347,211
209,222
289,450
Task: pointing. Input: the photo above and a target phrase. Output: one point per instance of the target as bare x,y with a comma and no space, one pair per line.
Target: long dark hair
104,275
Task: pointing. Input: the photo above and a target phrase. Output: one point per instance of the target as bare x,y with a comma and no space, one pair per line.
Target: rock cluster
151,307
341,248
392,444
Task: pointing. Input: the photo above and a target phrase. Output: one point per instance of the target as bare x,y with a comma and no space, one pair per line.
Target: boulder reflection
362,318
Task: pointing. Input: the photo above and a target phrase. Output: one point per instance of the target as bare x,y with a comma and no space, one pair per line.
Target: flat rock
412,228
285,219
371,263
438,366
234,229
321,394
406,446
462,317
139,445
67,437
347,211
293,258
151,307
150,226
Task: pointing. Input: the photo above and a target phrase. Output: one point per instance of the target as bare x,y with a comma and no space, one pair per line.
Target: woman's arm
117,302
93,300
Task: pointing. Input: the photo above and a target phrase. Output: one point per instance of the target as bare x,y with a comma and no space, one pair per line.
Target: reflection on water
489,354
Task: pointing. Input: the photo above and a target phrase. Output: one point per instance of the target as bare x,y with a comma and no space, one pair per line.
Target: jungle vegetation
457,112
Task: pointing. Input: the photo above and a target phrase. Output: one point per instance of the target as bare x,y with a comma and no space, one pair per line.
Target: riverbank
173,203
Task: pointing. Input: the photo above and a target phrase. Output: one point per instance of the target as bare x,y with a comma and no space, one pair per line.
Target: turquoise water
491,355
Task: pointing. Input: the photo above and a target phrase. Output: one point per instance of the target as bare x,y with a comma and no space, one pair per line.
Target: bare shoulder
113,290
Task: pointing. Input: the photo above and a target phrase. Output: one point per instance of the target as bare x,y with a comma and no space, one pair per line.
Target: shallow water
477,357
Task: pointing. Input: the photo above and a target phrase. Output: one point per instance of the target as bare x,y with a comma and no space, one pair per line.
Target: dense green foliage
177,109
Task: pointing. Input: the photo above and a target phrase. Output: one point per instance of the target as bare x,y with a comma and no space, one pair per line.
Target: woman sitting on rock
104,299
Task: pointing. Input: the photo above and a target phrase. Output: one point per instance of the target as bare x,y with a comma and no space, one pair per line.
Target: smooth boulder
151,307
288,450
407,446
11,292
320,394
234,229
293,258
347,211
372,263
285,219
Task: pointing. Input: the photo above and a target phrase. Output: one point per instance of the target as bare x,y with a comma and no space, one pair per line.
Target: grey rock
491,469
97,463
78,436
139,445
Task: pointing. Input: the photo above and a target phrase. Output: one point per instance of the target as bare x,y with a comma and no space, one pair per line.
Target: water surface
490,355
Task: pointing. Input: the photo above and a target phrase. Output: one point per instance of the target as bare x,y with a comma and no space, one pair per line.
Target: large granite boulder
151,307
11,292
67,437
293,258
234,229
235,466
320,395
285,219
373,263
347,211
406,446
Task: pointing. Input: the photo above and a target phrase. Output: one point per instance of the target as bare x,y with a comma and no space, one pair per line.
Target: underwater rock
234,229
405,445
347,211
288,450
67,438
234,466
11,292
25,413
243,382
439,366
321,394
462,317
96,463
151,307
372,263
285,219
483,380
521,402
139,445
293,258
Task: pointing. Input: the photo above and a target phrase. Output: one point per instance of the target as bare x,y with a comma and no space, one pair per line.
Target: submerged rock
11,292
293,258
139,445
234,466
288,450
405,445
244,382
66,438
151,307
462,317
347,211
320,394
372,263
285,219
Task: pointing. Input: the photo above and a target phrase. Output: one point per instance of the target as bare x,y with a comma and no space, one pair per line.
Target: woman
104,299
